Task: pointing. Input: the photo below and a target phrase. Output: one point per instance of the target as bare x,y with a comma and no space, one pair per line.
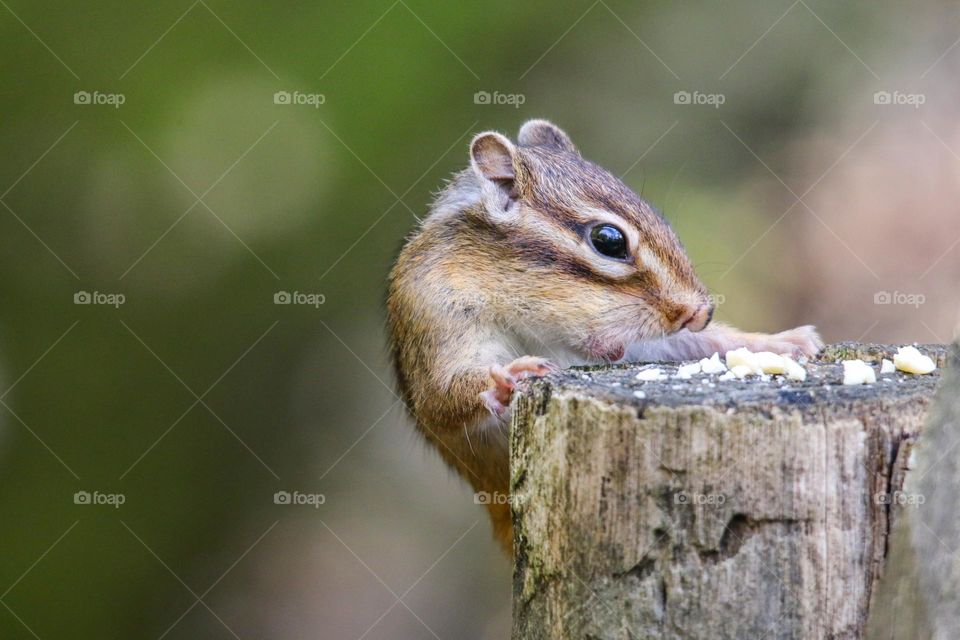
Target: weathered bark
919,594
745,509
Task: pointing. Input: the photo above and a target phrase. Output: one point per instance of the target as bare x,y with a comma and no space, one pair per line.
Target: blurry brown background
807,153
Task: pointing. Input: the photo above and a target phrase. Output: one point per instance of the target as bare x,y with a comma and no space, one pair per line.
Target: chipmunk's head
587,261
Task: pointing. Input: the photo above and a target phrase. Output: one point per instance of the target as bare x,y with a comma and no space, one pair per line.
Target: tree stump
919,593
703,509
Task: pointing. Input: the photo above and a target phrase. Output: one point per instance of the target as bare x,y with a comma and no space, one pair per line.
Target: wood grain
745,509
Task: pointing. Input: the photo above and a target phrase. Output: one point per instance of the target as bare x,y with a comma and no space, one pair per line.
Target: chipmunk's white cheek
608,267
651,262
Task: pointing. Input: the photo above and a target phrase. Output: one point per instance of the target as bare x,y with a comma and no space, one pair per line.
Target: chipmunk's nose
699,317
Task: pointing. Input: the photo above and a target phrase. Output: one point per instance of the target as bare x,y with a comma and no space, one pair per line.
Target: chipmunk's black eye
609,241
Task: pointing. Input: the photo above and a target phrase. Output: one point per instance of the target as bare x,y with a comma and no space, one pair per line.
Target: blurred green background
801,198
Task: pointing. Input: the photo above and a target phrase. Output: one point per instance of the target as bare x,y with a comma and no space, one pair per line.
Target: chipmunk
531,259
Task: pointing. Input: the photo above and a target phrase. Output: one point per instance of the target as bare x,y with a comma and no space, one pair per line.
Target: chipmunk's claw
491,400
504,380
802,341
530,366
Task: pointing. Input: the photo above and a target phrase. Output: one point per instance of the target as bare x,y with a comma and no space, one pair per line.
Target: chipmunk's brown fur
502,280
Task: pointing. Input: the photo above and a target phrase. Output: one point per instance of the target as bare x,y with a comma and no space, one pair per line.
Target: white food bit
639,394
887,366
759,363
794,370
768,362
910,360
712,364
685,371
858,372
729,375
651,375
742,357
741,370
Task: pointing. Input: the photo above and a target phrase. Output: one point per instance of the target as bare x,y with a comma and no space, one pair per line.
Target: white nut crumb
685,371
741,371
858,372
794,370
887,366
639,394
651,375
768,362
741,357
910,360
712,364
729,375
743,362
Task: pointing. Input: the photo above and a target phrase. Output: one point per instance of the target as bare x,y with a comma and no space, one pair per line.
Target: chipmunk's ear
491,155
541,133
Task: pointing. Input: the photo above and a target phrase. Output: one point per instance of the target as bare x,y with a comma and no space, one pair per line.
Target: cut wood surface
704,509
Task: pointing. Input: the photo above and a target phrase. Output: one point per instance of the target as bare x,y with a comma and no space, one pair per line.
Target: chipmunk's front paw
802,341
504,381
